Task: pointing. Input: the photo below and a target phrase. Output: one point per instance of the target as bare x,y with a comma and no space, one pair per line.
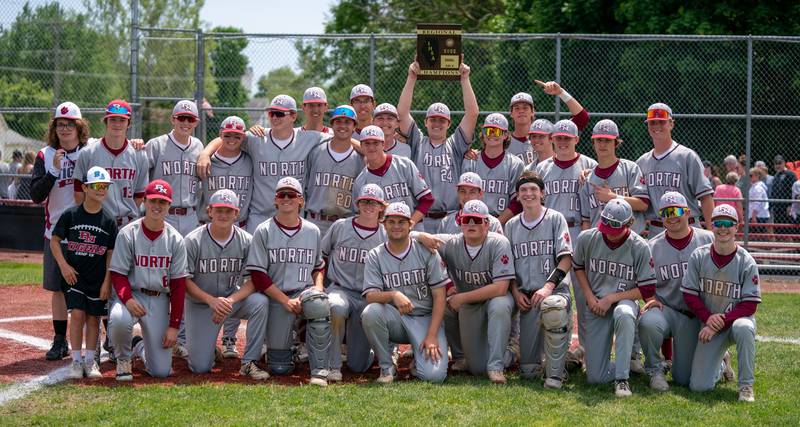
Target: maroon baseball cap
158,189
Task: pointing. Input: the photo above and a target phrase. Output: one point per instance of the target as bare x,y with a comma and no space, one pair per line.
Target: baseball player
148,271
721,288
478,315
385,117
362,99
52,185
315,104
498,168
285,263
542,249
173,158
89,233
218,287
281,152
404,285
539,135
345,247
398,177
470,187
331,168
666,314
614,268
672,166
438,156
124,164
612,178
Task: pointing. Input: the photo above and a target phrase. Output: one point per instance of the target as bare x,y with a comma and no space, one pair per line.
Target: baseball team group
340,240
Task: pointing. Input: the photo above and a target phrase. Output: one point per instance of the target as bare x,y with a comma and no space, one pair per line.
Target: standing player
148,271
362,99
90,234
345,246
173,158
331,168
470,187
478,318
438,156
281,152
404,285
614,268
52,184
670,166
398,177
721,288
315,104
218,288
612,178
666,314
285,263
385,117
540,136
124,164
498,168
542,251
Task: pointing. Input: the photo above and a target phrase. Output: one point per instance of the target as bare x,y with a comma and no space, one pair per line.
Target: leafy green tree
228,66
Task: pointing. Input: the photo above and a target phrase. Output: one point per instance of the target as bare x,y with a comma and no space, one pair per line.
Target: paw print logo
755,280
566,237
64,110
504,259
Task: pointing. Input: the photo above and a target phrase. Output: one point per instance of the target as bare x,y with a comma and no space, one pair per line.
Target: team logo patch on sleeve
566,237
504,259
755,280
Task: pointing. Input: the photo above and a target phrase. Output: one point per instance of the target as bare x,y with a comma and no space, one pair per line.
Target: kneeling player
542,258
404,284
148,270
721,288
613,266
216,253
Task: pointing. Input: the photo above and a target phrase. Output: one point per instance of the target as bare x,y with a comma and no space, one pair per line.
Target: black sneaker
59,349
135,340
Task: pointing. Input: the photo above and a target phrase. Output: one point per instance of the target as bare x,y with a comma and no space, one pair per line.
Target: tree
228,66
16,91
282,81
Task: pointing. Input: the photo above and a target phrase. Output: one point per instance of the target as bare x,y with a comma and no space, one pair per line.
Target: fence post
200,69
134,94
372,61
748,137
557,100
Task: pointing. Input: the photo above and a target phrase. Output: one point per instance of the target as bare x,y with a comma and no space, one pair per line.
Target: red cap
158,189
118,108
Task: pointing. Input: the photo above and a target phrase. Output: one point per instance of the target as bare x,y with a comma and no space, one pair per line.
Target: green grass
778,315
19,273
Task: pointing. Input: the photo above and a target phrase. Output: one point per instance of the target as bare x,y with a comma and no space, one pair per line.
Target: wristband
565,96
556,276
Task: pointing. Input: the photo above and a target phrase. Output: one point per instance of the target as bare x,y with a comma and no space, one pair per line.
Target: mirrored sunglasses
672,212
472,220
723,223
286,195
491,131
98,186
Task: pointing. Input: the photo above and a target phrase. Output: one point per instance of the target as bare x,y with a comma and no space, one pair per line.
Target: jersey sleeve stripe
504,277
371,289
647,282
255,268
752,298
689,291
424,192
563,253
440,284
705,193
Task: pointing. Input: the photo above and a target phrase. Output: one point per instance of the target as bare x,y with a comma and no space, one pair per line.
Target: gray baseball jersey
415,274
126,169
721,287
449,225
613,270
537,249
271,163
561,186
149,264
523,149
177,165
346,252
499,182
401,182
287,259
624,179
492,263
400,149
236,176
670,263
217,270
439,165
329,183
679,169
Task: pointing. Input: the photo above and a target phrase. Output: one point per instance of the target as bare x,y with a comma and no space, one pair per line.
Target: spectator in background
795,209
759,207
767,177
16,161
729,190
4,181
24,183
710,172
781,189
741,169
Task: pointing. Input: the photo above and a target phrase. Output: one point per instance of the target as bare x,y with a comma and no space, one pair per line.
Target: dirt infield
21,256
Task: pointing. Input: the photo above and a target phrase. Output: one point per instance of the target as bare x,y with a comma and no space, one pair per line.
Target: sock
90,355
60,327
76,355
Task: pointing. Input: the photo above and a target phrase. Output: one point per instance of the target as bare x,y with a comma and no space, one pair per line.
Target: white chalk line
25,318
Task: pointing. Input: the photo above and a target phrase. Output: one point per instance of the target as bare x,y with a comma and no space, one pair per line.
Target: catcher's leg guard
317,310
555,320
280,361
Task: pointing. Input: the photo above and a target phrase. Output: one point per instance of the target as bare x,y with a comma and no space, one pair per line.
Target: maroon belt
179,211
436,215
149,292
661,224
322,217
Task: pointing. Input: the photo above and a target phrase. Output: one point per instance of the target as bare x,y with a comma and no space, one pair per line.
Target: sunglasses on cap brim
613,223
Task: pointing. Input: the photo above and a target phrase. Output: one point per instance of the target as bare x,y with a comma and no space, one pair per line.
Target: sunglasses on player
98,186
673,212
369,202
472,220
189,119
286,195
723,223
611,222
278,113
490,131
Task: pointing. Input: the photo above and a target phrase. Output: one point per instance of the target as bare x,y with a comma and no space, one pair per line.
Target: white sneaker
179,350
746,394
252,370
229,350
553,383
659,382
335,375
497,377
727,370
301,353
459,365
75,370
636,367
92,370
124,370
386,377
322,382
622,388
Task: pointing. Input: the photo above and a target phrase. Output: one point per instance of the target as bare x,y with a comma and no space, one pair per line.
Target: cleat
252,370
92,370
229,350
59,349
659,382
387,377
137,346
622,388
124,370
553,383
746,394
497,377
636,367
322,382
179,350
727,370
459,365
335,375
75,370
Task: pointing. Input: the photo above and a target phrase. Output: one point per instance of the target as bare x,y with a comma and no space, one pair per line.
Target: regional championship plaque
439,51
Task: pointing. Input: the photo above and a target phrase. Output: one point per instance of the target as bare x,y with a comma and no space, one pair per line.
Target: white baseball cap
541,127
475,208
565,128
470,179
372,132
521,97
725,211
361,90
283,103
97,174
289,183
68,110
385,108
371,192
496,120
605,129
438,109
672,199
659,111
314,95
398,209
232,124
185,107
224,198
615,218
